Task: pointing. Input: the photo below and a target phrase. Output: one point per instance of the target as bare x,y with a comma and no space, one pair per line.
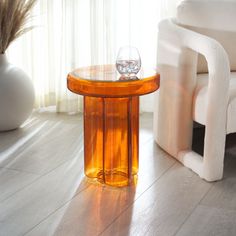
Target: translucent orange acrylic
111,122
111,139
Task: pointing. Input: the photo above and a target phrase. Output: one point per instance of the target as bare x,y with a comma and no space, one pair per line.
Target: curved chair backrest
213,18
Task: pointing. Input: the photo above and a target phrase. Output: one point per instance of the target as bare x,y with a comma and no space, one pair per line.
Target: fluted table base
111,137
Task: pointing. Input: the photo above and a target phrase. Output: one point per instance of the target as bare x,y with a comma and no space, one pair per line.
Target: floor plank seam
24,146
148,140
137,198
189,215
218,208
58,208
39,177
19,190
84,190
21,171
64,162
48,212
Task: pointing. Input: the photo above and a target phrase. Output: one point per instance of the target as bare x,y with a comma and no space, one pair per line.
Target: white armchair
197,89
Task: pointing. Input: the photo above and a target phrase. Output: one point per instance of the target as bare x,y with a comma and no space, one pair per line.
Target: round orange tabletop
111,120
105,81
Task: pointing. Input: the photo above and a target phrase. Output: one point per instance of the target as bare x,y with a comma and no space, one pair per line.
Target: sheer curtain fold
76,33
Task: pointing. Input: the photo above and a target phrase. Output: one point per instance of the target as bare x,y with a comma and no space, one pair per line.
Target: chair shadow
198,139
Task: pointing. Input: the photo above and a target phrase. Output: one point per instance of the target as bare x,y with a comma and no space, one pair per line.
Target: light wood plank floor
43,190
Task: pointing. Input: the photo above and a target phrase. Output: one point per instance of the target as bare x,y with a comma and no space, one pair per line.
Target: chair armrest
181,38
178,48
185,38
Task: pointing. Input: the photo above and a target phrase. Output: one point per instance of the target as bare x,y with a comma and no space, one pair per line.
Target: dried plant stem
14,15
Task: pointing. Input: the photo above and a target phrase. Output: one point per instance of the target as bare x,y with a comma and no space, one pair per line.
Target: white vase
16,95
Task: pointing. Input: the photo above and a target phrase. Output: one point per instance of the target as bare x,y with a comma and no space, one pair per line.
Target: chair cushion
213,18
200,101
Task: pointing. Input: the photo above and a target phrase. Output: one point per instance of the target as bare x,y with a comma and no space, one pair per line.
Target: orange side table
111,120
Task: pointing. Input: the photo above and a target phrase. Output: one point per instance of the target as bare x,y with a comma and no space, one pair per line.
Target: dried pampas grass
13,18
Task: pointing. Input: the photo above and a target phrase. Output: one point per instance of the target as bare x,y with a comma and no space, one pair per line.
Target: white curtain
73,33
